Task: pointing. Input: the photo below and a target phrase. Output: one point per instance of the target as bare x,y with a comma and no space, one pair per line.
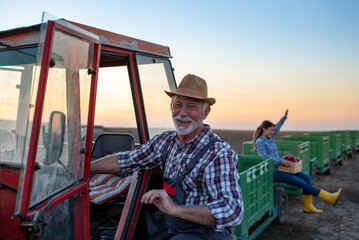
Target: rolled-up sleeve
146,156
222,180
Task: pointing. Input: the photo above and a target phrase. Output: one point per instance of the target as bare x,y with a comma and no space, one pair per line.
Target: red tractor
58,79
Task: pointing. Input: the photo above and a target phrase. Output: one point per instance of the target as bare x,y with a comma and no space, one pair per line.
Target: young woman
264,145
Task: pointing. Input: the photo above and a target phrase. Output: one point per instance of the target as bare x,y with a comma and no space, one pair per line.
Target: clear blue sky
259,56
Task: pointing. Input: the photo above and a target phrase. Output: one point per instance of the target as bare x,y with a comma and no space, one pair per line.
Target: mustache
183,118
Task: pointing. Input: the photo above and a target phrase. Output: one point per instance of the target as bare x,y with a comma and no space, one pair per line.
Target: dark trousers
209,235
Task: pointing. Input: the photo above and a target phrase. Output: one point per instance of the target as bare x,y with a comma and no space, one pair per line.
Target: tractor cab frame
58,79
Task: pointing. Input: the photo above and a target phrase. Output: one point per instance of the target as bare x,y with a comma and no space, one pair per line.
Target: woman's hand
286,113
287,163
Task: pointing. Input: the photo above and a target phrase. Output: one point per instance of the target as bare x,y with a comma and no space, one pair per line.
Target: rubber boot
308,204
331,198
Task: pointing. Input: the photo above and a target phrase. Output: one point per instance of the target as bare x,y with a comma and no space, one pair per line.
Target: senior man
201,198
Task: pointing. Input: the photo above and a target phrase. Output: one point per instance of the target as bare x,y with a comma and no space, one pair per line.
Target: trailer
264,201
57,80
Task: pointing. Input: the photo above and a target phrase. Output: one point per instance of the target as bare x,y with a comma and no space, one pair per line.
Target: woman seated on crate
264,145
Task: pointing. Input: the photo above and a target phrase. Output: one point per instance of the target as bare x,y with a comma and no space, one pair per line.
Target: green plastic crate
346,142
247,148
256,182
319,149
335,140
300,149
354,135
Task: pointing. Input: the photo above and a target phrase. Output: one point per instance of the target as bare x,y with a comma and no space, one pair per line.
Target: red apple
289,157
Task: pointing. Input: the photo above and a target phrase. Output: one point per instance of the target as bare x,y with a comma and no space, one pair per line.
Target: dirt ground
339,222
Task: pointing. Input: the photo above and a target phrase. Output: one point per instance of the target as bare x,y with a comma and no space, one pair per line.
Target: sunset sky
258,57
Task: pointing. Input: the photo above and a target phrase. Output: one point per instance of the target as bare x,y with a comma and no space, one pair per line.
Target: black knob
91,71
52,63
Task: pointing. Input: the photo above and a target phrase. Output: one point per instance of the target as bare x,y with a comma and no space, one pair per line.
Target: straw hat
193,87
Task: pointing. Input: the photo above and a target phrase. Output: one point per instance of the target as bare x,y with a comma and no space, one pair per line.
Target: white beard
183,130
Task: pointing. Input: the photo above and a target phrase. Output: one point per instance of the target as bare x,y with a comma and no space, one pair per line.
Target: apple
289,157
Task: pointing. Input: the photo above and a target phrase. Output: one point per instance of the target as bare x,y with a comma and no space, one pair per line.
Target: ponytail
259,132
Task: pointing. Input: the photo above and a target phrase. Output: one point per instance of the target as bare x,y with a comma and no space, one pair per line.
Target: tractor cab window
17,68
114,104
155,77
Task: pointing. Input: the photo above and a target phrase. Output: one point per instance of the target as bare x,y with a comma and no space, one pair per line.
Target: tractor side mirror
55,137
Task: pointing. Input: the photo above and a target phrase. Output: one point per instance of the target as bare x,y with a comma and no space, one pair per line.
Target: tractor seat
109,143
106,187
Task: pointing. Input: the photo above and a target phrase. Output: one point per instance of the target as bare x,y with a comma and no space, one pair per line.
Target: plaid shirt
266,147
213,181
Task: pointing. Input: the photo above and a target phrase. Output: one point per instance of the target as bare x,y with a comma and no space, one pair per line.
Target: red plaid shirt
213,181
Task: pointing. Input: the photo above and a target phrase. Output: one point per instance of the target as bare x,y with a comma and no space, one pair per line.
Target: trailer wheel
328,171
340,163
282,204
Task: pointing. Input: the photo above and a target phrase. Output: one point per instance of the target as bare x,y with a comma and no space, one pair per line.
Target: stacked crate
335,140
354,140
346,142
319,149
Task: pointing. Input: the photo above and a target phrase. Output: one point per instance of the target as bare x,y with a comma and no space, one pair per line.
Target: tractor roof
30,35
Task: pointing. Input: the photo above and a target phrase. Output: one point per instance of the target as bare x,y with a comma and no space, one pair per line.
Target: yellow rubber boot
308,204
331,198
